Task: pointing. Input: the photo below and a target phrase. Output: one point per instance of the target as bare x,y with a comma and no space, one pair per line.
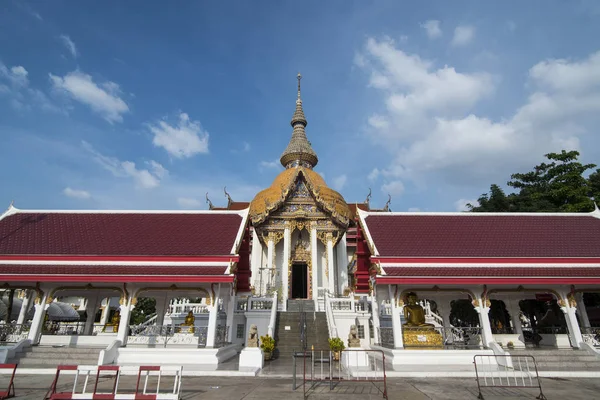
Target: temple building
418,285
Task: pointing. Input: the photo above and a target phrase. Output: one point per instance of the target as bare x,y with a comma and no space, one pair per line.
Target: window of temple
361,331
240,331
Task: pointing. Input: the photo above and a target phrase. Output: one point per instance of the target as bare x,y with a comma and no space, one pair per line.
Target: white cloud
16,76
143,178
461,204
184,140
414,209
77,194
339,182
394,188
415,87
463,35
104,100
275,164
189,203
432,27
457,146
374,174
68,43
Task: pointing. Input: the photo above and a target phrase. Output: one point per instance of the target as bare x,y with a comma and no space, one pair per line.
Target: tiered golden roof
272,198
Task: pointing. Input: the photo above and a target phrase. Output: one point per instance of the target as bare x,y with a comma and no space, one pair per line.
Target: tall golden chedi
415,331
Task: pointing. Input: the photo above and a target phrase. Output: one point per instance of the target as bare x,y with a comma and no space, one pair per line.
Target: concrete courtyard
233,388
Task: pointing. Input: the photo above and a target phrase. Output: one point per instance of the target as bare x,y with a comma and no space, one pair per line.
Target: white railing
429,313
260,303
273,318
330,319
241,305
184,306
385,308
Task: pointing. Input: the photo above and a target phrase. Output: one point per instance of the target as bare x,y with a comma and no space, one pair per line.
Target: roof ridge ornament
368,199
229,199
210,204
596,212
387,203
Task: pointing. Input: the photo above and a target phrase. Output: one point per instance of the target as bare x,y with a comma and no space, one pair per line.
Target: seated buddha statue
188,324
414,313
113,325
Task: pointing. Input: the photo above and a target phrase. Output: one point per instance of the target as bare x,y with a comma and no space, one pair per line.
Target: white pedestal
355,359
251,359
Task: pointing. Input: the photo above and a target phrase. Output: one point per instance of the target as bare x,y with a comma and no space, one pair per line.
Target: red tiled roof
71,269
235,206
492,272
119,234
481,235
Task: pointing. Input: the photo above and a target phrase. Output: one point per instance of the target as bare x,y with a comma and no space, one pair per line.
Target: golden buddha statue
188,325
414,313
415,331
113,325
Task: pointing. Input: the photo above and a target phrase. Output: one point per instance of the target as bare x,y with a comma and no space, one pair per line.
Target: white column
287,248
91,305
585,320
161,308
256,260
396,325
484,322
25,306
342,263
35,332
106,312
125,314
375,311
315,266
270,254
515,311
230,313
572,324
212,318
330,263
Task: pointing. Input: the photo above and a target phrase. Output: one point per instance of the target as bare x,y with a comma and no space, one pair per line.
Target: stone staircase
51,356
560,360
301,306
289,340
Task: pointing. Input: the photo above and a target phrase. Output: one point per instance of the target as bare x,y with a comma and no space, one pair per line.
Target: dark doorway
299,281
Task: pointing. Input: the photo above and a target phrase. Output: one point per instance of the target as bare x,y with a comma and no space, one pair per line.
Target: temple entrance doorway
299,280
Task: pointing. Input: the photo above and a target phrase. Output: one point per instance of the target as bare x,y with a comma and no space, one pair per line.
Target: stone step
63,349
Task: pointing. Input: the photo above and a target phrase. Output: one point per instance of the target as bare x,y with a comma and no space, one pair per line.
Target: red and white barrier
10,389
147,376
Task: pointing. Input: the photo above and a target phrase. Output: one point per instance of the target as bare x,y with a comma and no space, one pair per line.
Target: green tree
557,186
495,201
144,307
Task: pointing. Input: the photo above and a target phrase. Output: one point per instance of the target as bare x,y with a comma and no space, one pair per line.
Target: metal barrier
355,365
10,389
82,390
507,371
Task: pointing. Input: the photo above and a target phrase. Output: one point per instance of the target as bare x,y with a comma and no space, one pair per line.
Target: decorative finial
368,197
387,204
229,199
210,204
299,77
12,204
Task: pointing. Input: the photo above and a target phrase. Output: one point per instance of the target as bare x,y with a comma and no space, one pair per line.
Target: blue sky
150,105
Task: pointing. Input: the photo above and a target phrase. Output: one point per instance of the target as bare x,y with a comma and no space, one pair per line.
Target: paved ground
211,388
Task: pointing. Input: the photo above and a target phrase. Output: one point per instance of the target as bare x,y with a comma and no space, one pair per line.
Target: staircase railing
331,326
302,324
273,318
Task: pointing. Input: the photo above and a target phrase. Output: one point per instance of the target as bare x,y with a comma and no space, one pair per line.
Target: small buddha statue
414,313
189,319
188,324
113,325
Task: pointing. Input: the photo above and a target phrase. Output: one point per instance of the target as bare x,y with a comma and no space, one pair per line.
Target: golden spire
299,151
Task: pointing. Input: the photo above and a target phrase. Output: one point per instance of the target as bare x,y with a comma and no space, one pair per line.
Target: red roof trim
116,259
119,278
397,280
487,260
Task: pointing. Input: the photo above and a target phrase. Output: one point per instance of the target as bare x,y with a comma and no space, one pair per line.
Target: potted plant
267,344
336,345
510,345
